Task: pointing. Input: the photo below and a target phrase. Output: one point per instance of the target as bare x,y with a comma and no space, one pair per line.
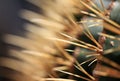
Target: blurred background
10,22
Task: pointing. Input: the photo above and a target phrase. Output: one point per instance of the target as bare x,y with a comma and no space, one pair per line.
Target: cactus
66,40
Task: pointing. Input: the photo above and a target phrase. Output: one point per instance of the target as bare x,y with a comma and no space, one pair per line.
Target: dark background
10,20
11,23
